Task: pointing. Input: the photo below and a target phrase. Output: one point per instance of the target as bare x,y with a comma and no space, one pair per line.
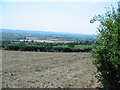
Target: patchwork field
47,70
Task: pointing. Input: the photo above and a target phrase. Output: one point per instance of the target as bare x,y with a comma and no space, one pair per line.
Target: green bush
67,50
71,45
25,48
42,48
58,49
107,49
12,47
33,48
49,48
81,50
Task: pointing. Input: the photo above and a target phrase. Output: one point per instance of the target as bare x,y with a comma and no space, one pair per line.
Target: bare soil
47,70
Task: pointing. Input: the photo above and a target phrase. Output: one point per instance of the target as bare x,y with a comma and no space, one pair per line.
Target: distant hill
9,34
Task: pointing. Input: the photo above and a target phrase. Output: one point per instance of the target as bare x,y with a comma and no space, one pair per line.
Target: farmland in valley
39,59
8,34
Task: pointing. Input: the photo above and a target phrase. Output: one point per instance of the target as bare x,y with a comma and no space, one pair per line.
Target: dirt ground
47,70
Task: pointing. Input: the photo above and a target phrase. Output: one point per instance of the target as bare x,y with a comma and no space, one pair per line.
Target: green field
76,46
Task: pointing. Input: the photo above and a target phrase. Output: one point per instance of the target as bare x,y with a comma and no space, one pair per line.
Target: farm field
49,41
47,70
76,46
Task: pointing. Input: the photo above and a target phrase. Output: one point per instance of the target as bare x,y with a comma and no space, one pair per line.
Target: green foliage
107,49
71,45
58,49
41,48
67,50
83,46
29,48
12,47
48,48
45,48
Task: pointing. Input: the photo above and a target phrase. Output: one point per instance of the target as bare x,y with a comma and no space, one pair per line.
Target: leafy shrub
41,48
44,48
26,48
67,50
58,49
12,47
71,45
86,49
48,48
107,49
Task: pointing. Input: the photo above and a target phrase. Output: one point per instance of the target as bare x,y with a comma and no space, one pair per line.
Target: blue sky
71,17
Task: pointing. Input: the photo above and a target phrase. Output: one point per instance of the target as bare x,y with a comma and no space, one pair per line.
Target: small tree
107,48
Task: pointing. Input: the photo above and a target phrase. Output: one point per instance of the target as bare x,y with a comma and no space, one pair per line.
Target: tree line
32,42
70,48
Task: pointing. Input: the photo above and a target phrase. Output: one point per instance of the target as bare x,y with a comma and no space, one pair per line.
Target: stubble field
47,70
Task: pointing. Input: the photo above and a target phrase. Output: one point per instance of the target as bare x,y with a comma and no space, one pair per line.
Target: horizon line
48,31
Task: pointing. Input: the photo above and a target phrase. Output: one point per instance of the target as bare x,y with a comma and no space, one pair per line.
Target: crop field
49,41
47,70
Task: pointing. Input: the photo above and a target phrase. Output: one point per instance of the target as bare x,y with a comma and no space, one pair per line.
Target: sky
62,16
